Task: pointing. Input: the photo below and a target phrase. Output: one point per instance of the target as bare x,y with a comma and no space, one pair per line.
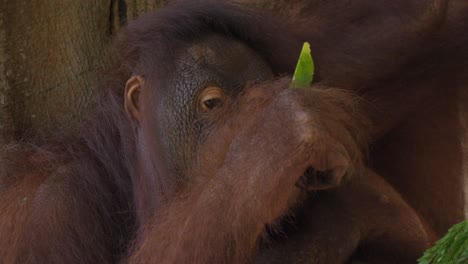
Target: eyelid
210,92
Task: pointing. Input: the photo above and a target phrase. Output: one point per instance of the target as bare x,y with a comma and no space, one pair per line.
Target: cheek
178,133
155,134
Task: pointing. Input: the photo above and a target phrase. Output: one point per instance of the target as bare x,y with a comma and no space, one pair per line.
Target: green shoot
304,73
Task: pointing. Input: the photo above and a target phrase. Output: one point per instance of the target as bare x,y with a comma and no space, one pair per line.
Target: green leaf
304,73
451,249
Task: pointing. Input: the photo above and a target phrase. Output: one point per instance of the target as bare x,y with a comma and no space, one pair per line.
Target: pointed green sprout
304,73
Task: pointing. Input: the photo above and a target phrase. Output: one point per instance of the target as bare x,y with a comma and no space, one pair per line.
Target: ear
132,97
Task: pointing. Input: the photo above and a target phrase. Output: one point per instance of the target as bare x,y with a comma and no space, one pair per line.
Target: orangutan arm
368,214
52,220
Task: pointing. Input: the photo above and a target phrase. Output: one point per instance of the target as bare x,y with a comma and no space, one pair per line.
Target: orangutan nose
324,173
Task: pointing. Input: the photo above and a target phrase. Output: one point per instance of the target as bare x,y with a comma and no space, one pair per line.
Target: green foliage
304,73
451,249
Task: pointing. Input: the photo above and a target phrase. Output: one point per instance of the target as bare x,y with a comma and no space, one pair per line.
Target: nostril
313,179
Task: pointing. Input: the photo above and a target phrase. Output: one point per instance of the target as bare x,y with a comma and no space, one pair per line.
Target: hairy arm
52,219
367,214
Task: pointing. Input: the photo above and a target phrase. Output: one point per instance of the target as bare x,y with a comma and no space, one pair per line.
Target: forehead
220,60
212,59
223,52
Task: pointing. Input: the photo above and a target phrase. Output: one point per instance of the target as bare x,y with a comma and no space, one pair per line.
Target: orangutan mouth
314,180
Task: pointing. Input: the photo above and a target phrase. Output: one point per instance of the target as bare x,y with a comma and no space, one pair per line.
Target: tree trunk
51,54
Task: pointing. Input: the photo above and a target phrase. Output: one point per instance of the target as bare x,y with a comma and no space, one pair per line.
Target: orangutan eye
211,98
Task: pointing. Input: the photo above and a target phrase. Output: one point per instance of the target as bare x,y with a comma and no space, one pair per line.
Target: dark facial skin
210,62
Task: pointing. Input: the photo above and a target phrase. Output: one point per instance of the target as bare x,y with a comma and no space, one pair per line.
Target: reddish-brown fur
383,69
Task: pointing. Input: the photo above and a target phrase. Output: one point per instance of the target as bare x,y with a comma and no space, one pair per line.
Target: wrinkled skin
200,153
